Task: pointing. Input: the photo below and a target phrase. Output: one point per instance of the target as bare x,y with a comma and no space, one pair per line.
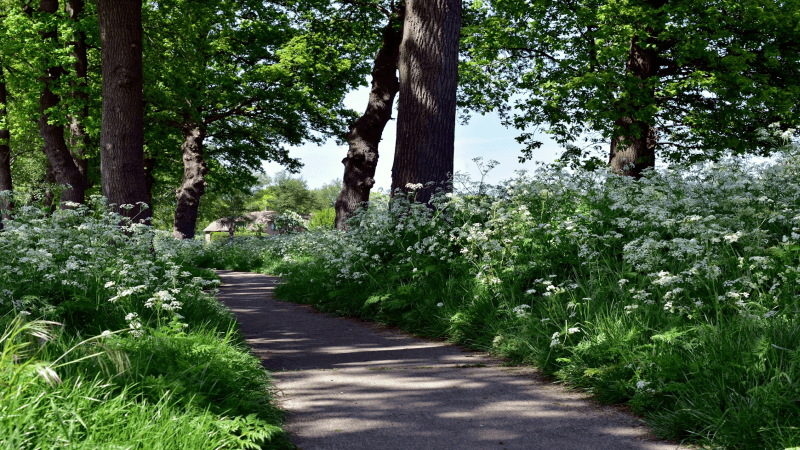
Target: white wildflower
731,238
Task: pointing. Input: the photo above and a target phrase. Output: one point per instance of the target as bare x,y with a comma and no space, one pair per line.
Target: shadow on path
348,384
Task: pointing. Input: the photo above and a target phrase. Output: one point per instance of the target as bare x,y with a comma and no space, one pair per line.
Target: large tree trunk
365,133
55,146
79,138
633,150
426,119
5,152
194,182
122,136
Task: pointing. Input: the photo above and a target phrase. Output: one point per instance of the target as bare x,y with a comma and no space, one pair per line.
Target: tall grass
110,339
676,293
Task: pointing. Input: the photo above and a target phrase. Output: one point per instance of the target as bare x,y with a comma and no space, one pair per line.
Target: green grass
676,294
110,339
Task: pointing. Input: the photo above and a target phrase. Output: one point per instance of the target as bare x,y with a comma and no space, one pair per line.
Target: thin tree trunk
149,166
49,195
122,136
634,150
426,119
55,146
365,133
5,152
194,182
79,138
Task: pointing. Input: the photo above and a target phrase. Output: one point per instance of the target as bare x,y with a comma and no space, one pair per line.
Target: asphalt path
349,384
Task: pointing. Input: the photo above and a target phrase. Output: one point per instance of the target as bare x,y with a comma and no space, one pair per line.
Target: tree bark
79,138
194,182
49,196
426,119
55,146
5,152
634,150
149,166
122,135
365,133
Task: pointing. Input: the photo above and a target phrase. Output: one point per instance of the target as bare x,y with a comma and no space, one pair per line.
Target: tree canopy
706,77
227,84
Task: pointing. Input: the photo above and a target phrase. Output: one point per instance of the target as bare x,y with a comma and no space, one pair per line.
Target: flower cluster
82,253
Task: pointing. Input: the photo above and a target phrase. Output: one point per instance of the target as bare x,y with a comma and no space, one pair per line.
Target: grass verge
110,339
676,293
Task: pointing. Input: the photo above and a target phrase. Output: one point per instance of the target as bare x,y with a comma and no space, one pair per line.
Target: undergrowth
676,293
109,339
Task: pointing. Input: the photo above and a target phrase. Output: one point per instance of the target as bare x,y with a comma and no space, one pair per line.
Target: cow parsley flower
554,339
731,238
522,311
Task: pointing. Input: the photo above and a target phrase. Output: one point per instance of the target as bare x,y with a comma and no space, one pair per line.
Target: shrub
322,219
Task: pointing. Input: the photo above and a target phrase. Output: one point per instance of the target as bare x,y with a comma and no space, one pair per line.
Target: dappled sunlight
355,385
446,408
360,348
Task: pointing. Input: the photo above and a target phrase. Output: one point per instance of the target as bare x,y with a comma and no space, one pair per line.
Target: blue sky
483,136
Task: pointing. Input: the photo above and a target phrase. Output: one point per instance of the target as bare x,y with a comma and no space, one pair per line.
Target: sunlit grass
676,293
110,340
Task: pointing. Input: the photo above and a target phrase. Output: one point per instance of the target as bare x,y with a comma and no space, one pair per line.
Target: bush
323,219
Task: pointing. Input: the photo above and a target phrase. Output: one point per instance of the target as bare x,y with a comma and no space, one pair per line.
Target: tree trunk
55,146
149,166
5,152
122,136
79,138
634,150
365,133
426,119
49,196
194,182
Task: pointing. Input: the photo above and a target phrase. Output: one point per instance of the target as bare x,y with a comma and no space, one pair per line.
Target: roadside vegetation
676,293
108,339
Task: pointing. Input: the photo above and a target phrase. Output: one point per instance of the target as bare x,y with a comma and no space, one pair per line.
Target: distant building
250,221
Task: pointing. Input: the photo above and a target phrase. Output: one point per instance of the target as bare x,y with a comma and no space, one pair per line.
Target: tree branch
380,8
233,111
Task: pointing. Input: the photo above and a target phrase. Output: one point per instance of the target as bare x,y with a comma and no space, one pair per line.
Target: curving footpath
349,384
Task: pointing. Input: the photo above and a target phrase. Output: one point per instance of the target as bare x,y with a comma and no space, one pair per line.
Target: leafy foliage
322,219
675,293
725,70
175,374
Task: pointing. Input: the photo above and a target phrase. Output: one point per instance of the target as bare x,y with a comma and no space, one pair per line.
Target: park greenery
126,126
282,193
109,339
675,293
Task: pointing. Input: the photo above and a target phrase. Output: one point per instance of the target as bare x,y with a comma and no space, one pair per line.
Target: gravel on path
349,384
